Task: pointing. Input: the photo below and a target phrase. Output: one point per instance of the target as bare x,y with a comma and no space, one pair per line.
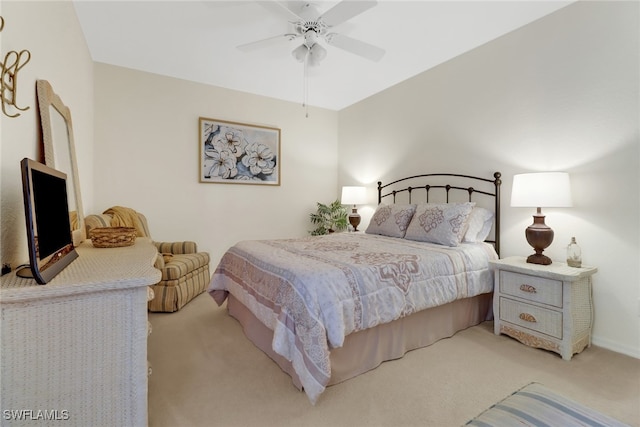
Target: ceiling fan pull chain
305,89
304,83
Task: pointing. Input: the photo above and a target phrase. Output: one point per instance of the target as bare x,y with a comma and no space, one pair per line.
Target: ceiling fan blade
354,46
270,41
346,10
280,9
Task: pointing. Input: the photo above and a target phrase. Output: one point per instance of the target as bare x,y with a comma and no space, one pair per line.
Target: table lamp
542,189
354,196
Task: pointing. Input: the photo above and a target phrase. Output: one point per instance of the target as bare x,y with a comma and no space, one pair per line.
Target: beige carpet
206,373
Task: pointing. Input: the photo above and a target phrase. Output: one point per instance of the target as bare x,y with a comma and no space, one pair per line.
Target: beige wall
558,94
59,54
147,157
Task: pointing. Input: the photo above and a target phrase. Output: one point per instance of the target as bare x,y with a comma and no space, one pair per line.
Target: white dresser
74,351
544,306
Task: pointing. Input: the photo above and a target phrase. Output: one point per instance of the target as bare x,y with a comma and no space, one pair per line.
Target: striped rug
536,405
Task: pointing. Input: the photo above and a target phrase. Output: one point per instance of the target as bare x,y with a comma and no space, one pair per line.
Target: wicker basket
112,237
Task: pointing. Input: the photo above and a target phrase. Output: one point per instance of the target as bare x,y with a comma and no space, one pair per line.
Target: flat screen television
46,210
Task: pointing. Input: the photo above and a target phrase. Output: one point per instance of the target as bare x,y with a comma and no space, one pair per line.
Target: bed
329,308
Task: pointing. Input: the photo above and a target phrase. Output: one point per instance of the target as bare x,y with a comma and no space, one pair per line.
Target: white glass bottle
574,254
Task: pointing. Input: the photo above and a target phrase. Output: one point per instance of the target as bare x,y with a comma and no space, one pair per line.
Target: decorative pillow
391,220
442,223
479,225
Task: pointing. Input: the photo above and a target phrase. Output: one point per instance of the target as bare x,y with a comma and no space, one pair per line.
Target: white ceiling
197,41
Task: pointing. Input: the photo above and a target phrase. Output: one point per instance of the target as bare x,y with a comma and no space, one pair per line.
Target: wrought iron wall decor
9,68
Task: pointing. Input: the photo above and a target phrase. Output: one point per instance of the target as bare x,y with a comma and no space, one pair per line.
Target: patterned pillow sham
391,220
479,225
441,223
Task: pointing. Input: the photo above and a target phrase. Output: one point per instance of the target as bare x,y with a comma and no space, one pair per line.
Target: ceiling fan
311,26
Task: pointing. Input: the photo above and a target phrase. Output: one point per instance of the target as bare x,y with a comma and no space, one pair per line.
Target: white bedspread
314,291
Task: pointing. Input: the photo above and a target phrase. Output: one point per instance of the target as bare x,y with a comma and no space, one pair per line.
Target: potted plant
329,218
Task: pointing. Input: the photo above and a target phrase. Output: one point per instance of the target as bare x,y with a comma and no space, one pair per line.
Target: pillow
441,223
391,220
479,225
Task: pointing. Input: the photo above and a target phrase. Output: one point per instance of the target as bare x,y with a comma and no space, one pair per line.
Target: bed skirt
367,349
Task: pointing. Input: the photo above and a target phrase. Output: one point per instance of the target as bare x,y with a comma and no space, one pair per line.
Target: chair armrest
159,263
95,221
177,247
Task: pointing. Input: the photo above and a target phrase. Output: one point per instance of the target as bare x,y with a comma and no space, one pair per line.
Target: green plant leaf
331,217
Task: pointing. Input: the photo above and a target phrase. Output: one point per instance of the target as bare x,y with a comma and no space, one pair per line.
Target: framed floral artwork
238,153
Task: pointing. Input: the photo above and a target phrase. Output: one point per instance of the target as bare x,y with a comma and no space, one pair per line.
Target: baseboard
615,346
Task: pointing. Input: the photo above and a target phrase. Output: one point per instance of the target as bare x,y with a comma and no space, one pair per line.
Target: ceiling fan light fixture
316,54
310,38
300,53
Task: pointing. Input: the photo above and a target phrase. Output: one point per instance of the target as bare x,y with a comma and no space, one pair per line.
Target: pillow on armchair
185,271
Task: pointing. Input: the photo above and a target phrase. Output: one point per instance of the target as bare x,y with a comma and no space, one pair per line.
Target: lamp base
540,236
538,259
354,219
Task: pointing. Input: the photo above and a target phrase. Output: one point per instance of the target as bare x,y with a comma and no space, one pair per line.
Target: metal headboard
448,188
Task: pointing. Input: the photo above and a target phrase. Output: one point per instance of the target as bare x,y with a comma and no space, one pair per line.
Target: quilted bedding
314,291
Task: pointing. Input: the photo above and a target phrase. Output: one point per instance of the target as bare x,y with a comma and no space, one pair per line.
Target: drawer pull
527,317
528,288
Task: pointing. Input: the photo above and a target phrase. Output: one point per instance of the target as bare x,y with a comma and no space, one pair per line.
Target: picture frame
238,153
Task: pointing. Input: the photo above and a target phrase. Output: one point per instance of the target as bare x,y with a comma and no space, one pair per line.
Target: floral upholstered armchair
185,271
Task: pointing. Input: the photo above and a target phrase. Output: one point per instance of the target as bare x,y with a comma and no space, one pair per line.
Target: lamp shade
353,195
316,54
300,53
542,189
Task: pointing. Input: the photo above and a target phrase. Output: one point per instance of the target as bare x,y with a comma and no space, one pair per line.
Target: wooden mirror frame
49,102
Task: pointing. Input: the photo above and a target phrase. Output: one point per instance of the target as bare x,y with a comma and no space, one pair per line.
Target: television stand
24,272
75,349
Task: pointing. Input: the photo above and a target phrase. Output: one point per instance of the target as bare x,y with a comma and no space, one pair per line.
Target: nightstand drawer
539,319
531,288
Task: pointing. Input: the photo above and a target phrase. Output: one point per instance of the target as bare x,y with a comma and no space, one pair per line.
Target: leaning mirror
59,151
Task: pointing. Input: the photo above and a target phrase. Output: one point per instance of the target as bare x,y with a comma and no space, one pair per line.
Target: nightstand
544,306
